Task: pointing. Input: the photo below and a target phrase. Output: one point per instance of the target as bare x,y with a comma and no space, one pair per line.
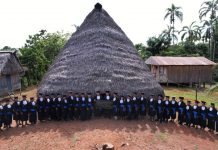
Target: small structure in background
10,72
181,70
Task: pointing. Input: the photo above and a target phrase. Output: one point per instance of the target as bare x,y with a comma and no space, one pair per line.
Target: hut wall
159,73
9,83
189,74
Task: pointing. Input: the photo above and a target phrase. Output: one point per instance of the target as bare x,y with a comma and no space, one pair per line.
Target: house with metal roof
181,69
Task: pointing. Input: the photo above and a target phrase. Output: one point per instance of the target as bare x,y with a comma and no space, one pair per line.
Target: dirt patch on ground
124,135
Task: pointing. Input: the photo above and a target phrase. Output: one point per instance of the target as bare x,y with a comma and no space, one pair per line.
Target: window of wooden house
161,70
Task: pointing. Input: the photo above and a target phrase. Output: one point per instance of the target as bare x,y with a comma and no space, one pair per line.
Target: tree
210,8
174,12
142,51
169,34
191,33
157,44
39,52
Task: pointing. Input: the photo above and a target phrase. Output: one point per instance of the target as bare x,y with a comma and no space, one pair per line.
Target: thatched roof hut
99,57
10,72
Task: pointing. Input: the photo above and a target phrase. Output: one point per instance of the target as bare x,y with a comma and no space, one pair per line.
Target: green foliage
38,53
142,51
157,44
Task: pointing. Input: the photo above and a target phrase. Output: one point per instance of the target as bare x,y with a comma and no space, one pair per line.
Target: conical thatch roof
99,57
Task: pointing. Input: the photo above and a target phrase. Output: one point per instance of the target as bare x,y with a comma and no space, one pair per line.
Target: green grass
189,94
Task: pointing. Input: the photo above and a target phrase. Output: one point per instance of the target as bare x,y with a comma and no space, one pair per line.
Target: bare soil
124,135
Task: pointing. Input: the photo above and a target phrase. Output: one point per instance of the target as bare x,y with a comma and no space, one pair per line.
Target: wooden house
10,73
181,69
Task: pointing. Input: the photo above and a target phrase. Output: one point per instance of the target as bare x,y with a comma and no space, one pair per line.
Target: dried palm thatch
9,64
99,57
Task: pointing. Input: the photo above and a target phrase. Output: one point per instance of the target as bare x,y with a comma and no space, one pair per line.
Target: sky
139,19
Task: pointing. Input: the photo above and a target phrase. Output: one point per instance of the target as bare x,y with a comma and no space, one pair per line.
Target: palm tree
192,33
174,12
210,8
169,34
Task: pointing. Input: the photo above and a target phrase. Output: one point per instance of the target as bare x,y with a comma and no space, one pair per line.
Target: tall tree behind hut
38,53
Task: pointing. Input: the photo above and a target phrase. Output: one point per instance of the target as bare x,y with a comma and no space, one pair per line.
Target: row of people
82,106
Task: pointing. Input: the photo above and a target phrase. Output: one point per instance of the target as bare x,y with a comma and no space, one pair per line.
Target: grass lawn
189,94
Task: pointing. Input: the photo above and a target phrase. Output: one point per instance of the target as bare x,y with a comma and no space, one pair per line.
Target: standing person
143,105
188,114
135,104
8,111
167,108
83,108
16,111
212,112
151,108
115,105
32,111
196,114
53,107
24,110
48,107
41,107
181,110
77,106
108,112
122,107
59,103
71,105
129,107
173,108
216,122
90,104
159,108
203,115
2,117
98,111
65,108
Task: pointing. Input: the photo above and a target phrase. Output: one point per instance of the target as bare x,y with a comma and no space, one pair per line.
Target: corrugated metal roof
183,61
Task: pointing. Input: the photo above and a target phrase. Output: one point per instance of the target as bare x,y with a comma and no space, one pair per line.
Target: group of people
84,106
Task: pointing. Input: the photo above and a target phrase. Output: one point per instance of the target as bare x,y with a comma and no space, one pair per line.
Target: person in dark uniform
212,112
83,108
32,111
2,117
196,114
167,108
16,111
143,105
65,108
71,99
90,104
77,106
115,105
53,107
98,97
188,114
151,108
107,112
122,108
129,107
8,111
216,122
24,111
159,109
59,103
181,110
174,105
48,108
203,115
135,104
41,107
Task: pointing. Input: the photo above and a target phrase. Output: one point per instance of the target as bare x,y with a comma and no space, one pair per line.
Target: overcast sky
139,19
